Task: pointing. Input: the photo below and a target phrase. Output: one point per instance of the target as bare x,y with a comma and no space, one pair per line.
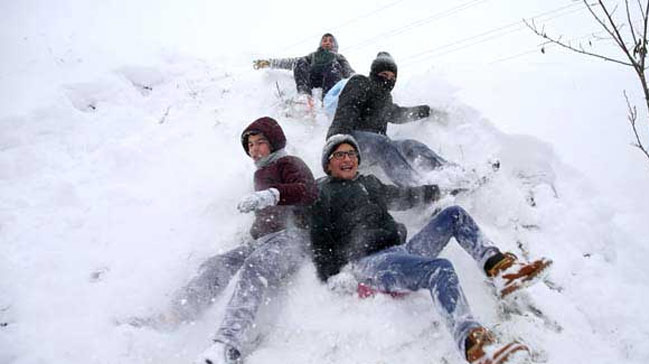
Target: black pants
308,78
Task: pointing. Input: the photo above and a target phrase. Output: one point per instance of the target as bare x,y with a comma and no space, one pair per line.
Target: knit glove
422,111
260,63
259,200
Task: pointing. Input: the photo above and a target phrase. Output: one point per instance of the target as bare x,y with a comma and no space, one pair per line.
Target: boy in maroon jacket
284,187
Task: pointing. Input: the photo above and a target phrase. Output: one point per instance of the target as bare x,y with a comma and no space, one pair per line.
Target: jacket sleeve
402,114
326,257
284,63
350,103
298,186
403,198
347,69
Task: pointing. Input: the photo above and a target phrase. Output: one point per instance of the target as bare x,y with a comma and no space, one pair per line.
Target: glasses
341,155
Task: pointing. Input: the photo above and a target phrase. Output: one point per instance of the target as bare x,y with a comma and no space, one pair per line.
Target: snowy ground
117,179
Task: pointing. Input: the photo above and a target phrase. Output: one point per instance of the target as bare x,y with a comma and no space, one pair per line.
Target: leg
330,76
265,269
453,222
395,271
379,149
214,275
418,153
302,75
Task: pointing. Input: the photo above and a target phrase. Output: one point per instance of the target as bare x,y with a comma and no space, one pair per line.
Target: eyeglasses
341,155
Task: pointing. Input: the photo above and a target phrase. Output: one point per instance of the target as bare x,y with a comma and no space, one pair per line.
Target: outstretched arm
401,114
402,198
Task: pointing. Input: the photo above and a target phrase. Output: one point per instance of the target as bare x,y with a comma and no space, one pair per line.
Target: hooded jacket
289,175
319,58
365,104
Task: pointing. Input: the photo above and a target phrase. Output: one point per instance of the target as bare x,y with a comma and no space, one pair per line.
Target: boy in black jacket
351,228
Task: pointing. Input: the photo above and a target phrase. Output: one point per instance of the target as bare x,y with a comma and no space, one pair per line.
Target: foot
509,275
482,348
220,353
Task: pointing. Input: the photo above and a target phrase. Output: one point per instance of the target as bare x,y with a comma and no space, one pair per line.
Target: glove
259,200
219,353
423,111
342,283
260,63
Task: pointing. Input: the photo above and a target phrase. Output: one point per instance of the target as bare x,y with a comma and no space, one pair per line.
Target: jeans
397,157
262,266
414,265
306,78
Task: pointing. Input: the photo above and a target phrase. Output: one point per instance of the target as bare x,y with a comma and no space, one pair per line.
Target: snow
121,166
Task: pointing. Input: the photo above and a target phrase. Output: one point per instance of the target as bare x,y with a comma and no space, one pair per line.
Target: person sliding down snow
351,228
284,187
319,69
364,110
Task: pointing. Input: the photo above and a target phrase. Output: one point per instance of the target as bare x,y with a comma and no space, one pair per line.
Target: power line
489,35
342,25
417,23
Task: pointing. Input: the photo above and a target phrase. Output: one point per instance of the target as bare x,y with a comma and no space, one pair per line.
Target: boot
481,348
510,275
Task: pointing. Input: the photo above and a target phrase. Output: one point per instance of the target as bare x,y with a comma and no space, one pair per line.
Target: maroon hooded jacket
289,175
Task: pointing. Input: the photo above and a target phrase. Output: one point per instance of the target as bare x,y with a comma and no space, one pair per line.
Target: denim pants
397,157
261,266
414,266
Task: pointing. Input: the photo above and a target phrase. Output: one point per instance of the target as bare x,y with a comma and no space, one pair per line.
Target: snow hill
114,194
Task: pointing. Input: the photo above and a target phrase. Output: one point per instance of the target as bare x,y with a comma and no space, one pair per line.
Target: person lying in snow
322,68
364,110
284,188
352,231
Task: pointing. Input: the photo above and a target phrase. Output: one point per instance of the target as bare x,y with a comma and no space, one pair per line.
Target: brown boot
510,275
481,348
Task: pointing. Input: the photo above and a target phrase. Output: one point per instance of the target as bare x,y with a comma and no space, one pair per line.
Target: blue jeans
414,266
397,157
261,266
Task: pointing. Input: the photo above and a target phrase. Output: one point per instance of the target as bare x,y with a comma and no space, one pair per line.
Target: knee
441,272
455,212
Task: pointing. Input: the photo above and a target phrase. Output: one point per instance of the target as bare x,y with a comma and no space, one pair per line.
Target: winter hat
269,128
333,142
383,62
335,42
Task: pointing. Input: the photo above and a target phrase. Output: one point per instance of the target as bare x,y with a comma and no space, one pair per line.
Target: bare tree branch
570,47
633,114
628,17
634,49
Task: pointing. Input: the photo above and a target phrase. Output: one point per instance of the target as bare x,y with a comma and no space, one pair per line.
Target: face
388,75
327,43
258,147
341,164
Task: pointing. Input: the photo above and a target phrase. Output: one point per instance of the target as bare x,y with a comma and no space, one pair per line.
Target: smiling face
343,162
258,147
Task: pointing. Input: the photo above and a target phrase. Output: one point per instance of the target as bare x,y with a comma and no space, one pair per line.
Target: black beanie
383,62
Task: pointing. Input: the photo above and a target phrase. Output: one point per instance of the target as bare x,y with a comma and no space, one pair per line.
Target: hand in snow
259,200
423,111
342,283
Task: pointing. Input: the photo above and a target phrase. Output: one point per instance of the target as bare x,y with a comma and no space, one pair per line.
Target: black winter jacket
350,219
363,105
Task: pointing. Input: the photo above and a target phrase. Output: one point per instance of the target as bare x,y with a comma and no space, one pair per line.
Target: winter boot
510,275
220,353
481,348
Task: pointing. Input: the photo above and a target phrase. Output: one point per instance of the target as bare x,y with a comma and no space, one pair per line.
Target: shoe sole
512,353
527,281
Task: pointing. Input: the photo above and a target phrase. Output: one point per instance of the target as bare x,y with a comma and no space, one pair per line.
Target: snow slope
114,193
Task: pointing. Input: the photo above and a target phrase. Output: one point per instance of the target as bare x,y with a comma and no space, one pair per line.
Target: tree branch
570,47
633,114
